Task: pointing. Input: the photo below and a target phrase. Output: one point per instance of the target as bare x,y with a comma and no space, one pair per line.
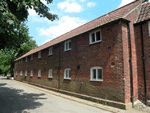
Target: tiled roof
144,12
121,12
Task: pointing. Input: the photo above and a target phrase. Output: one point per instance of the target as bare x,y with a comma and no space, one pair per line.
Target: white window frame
21,60
26,72
31,73
91,73
39,54
20,73
32,57
50,51
26,59
39,73
149,27
65,74
50,73
65,45
96,41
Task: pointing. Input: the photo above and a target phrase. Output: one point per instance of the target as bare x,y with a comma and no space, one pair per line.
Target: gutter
131,65
144,69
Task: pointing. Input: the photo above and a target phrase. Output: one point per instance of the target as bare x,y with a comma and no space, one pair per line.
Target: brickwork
146,39
107,54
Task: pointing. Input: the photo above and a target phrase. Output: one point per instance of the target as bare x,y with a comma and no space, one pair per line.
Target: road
19,98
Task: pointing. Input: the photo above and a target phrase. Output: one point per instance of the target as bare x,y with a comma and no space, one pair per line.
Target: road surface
19,98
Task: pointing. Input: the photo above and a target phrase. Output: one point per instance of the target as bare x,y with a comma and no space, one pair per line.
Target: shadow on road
16,101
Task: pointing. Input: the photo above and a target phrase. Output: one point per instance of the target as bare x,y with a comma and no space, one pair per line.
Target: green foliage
13,13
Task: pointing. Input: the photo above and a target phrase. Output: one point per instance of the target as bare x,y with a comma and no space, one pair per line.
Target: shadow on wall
16,101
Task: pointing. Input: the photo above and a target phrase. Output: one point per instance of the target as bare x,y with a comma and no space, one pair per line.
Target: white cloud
124,2
70,7
32,12
48,40
91,4
82,0
65,24
37,18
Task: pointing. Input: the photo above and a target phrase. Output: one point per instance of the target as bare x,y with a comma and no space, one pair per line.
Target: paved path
19,98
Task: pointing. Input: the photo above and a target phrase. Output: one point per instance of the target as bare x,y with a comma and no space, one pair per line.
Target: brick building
104,58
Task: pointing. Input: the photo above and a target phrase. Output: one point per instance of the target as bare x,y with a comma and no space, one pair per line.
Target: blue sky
71,13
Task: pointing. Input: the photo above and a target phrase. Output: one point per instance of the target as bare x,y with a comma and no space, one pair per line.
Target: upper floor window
149,27
26,59
50,73
20,73
26,73
67,73
67,45
96,74
50,52
95,37
39,73
32,57
31,74
21,60
39,54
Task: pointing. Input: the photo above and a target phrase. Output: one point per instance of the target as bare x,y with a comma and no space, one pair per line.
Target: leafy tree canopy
13,13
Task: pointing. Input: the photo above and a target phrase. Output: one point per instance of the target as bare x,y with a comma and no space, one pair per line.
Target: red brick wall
146,39
109,54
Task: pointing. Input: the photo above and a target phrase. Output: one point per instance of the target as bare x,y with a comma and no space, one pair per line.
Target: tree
13,13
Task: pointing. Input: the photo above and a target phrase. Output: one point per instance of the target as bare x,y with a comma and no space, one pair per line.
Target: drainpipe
59,71
144,69
131,65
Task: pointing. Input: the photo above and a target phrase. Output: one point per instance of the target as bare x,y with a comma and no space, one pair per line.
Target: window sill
95,42
96,80
50,77
68,50
67,78
50,54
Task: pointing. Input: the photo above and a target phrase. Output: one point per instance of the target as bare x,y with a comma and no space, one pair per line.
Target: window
67,45
39,73
16,72
20,73
50,73
26,73
31,74
32,57
39,54
67,73
95,37
96,74
50,51
149,27
21,60
26,59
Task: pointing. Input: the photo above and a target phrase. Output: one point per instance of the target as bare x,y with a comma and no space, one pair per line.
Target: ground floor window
39,73
67,73
31,74
50,73
96,74
20,73
25,73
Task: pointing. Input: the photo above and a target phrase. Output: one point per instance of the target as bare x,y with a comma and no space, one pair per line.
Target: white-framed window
149,27
26,72
67,73
39,73
67,45
31,73
20,73
26,59
50,52
21,60
39,54
95,36
50,73
96,74
32,57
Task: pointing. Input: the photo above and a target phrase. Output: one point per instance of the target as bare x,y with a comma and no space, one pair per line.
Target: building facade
102,58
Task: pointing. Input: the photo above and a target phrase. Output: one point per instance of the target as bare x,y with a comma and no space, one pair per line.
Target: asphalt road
19,98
